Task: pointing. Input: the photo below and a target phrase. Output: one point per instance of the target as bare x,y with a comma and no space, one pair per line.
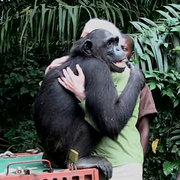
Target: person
178,174
125,153
147,108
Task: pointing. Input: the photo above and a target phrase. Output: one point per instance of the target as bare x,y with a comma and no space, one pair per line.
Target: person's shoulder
146,87
146,90
146,96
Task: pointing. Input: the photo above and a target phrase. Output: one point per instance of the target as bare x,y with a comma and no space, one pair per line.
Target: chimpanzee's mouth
120,63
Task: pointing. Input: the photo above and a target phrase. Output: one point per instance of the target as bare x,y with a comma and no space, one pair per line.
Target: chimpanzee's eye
116,40
109,43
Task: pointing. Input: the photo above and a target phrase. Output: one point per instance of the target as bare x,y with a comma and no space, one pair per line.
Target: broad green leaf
152,85
176,131
137,26
25,10
177,48
43,17
24,30
152,23
113,12
49,21
168,92
177,142
149,63
177,6
160,86
144,25
165,14
176,29
120,15
169,167
165,61
60,16
161,28
24,90
175,149
176,137
172,11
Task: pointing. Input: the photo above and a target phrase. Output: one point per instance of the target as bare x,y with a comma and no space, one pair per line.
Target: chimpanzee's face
104,45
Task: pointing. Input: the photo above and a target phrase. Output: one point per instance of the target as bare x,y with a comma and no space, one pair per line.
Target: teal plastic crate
10,166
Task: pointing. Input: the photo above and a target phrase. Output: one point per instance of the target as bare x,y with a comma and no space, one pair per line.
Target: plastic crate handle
32,161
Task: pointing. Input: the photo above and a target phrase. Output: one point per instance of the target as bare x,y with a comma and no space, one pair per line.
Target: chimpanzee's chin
115,68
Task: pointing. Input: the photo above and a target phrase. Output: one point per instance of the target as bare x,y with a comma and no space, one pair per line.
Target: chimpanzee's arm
110,111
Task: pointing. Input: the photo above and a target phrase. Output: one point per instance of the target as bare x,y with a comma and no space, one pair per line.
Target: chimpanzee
60,120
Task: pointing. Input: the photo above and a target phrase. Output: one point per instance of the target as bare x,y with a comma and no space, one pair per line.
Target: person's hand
74,83
56,62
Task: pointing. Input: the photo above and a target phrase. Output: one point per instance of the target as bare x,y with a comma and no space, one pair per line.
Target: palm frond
158,38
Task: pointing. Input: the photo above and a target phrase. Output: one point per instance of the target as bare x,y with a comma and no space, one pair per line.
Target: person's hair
130,39
96,23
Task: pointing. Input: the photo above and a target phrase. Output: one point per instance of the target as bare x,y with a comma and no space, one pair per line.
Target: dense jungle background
34,32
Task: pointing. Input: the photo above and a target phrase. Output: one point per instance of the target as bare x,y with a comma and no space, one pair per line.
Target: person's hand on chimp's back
74,83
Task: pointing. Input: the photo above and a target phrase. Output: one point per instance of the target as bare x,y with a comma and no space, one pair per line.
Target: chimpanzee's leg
84,142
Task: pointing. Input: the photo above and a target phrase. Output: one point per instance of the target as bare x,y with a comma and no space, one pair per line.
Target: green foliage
38,24
19,84
165,162
22,137
175,139
157,42
32,33
168,84
157,47
166,127
169,167
30,23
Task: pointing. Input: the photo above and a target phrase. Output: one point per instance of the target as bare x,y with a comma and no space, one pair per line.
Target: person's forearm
144,141
143,127
56,62
178,175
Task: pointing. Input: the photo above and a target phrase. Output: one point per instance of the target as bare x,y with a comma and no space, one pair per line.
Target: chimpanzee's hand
130,64
137,74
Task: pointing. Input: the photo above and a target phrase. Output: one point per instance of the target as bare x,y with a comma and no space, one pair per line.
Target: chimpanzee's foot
95,161
45,164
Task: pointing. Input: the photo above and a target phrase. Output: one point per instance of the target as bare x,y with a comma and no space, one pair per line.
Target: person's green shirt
127,147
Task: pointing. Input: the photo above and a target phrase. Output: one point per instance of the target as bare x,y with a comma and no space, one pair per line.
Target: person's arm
143,127
76,84
178,175
147,112
56,62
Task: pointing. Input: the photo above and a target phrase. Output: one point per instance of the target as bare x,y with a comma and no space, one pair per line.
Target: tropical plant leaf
169,167
177,6
176,137
176,131
152,23
137,26
172,11
165,14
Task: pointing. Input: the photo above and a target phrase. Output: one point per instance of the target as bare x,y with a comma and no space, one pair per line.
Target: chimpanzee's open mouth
120,63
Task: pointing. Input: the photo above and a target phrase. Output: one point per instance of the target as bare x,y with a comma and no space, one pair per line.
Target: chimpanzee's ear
87,47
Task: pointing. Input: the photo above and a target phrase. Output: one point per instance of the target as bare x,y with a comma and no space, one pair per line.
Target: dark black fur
59,118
